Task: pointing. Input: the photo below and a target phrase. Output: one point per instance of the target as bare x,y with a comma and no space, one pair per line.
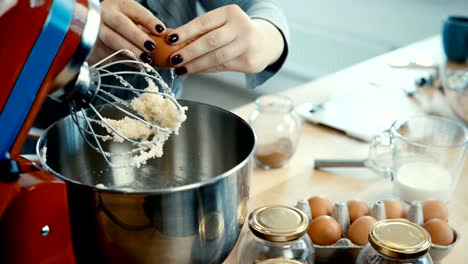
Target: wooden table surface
375,80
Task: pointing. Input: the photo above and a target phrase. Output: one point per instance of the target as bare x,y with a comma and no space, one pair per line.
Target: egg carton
345,251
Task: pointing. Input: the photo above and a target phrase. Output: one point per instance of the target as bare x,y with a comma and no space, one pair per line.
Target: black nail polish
181,71
159,28
146,57
173,38
176,59
150,46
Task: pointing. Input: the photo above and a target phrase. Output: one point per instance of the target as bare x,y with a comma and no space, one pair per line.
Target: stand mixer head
43,49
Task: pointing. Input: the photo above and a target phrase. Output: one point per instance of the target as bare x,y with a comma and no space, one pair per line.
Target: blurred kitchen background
330,35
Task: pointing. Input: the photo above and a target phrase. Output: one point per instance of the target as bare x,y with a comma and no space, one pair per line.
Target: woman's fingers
206,44
99,51
142,16
202,24
222,67
115,41
133,23
228,40
125,24
217,58
237,64
128,30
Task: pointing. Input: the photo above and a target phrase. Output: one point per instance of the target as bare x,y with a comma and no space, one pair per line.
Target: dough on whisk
128,127
155,109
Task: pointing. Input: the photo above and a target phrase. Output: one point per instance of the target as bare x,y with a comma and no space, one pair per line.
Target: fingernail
173,38
176,59
181,71
150,46
159,28
146,57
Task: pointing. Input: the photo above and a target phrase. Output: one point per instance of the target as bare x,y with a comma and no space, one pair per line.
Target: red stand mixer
44,44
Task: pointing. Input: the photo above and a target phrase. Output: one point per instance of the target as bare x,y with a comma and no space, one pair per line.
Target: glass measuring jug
423,156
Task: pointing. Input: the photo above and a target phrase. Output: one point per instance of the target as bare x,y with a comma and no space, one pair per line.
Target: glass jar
396,241
277,129
276,233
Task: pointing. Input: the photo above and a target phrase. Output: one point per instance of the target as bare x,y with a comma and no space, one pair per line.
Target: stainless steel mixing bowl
186,207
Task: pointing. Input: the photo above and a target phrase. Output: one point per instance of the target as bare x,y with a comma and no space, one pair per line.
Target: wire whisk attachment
124,109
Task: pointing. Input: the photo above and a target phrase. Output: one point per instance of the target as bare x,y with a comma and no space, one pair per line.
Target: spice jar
396,241
276,233
277,129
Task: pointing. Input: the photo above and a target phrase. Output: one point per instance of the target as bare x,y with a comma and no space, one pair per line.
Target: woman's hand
124,25
226,39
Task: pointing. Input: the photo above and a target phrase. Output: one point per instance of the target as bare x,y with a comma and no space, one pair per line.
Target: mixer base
35,227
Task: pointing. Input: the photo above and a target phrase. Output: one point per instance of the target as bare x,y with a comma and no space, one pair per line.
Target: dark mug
455,38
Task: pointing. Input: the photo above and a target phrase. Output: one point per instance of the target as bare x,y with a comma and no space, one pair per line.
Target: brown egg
394,209
164,50
324,230
320,206
358,232
435,209
440,231
357,209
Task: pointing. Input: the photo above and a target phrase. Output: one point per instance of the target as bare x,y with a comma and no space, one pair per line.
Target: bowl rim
191,186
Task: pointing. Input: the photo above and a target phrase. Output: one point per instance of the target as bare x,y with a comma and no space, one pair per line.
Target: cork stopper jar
277,129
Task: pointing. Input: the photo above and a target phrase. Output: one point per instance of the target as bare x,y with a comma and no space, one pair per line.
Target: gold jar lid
399,239
278,223
279,261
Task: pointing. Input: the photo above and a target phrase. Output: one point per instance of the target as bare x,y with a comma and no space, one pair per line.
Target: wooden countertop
375,80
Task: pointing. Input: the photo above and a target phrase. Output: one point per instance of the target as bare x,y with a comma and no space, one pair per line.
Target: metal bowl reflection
186,206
